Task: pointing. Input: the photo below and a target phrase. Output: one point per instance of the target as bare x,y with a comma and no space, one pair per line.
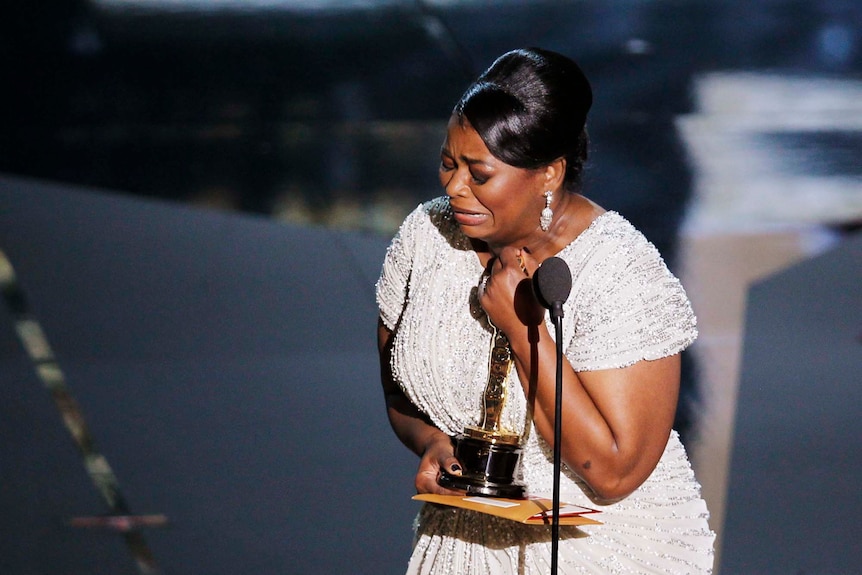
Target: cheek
512,208
444,177
498,202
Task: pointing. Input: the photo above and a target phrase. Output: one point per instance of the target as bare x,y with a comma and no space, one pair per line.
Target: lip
468,218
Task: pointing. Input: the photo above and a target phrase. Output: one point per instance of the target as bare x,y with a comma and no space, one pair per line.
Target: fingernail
456,469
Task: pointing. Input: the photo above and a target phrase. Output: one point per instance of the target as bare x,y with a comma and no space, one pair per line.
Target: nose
455,184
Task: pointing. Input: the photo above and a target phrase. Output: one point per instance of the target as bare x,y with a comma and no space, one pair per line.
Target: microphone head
552,282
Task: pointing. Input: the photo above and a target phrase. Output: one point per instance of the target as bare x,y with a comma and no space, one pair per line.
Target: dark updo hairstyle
530,108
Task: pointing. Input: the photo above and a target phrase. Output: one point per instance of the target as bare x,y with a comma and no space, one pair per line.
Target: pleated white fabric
625,306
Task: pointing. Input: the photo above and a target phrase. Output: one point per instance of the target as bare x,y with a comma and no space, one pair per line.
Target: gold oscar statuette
489,454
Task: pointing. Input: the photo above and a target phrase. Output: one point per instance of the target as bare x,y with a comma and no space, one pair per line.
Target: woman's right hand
439,454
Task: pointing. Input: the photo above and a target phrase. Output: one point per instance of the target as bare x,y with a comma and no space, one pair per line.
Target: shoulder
612,227
613,261
431,212
433,220
627,305
437,213
610,240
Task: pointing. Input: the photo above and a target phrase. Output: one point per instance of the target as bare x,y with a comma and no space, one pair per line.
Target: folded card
531,511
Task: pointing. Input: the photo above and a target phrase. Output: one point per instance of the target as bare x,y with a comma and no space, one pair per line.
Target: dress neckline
588,231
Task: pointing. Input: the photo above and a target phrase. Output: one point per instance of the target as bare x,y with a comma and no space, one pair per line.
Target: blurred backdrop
729,132
332,111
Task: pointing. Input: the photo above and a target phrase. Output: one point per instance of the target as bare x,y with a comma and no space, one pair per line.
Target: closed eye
478,179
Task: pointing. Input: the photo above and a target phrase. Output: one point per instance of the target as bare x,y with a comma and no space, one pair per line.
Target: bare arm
616,422
412,427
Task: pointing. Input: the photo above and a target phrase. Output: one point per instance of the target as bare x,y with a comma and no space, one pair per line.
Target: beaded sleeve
626,304
391,288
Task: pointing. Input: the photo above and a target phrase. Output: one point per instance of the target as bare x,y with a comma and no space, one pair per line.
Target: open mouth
468,218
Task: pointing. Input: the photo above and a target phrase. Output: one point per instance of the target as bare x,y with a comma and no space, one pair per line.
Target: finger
494,265
425,482
515,258
508,256
486,276
452,466
530,262
522,263
483,284
440,490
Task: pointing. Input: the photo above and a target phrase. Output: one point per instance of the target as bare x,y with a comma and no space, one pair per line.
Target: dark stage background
332,112
196,201
227,368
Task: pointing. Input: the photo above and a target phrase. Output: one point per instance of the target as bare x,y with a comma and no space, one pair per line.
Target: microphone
552,284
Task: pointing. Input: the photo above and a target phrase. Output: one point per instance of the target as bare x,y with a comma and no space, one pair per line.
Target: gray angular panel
227,368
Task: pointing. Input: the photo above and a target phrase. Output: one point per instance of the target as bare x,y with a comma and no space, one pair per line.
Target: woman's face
491,200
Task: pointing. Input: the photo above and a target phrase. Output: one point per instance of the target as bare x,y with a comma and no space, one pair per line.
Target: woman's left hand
507,295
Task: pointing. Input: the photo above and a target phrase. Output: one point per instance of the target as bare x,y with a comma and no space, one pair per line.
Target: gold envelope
531,511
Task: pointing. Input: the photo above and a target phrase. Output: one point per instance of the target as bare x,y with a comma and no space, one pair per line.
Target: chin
474,234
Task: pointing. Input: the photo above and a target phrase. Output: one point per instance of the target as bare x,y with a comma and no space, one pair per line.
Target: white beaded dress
624,306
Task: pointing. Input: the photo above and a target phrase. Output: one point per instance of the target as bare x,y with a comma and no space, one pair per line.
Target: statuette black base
488,468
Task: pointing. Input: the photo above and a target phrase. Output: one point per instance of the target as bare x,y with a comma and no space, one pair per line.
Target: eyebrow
465,159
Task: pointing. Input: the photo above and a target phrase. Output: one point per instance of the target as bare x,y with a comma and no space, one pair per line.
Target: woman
510,165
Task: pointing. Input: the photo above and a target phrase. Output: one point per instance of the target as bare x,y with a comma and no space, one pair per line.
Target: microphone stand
557,317
552,283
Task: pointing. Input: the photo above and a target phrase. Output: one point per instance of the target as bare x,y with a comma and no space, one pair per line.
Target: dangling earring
547,213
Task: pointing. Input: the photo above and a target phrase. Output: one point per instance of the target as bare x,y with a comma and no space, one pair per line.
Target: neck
564,228
573,214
